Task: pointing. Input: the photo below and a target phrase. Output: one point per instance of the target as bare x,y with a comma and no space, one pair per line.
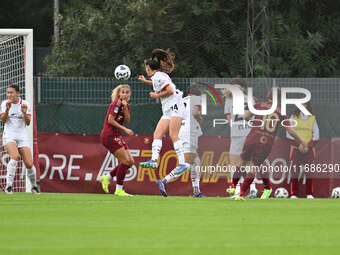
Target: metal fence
79,105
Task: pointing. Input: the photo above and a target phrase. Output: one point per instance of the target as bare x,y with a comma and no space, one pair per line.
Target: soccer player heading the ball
157,68
117,114
16,115
259,142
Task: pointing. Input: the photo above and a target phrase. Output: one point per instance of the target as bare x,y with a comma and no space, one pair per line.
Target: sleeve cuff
165,86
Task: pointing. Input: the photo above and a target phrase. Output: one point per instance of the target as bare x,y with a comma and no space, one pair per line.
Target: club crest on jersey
116,109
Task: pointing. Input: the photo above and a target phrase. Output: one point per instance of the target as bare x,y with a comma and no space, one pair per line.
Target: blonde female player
16,115
238,135
117,114
189,133
157,68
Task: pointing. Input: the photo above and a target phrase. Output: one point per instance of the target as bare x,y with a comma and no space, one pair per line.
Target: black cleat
8,190
35,190
200,195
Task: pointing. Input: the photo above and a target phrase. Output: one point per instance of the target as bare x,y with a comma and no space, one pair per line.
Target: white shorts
19,142
236,144
190,142
176,110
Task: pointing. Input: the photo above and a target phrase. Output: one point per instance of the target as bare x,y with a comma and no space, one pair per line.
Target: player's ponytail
162,60
116,91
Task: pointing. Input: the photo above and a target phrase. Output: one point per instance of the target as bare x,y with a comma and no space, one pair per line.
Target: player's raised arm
143,79
247,116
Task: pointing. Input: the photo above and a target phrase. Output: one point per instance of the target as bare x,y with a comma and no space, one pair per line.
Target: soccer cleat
253,194
239,198
121,193
310,197
162,187
35,190
181,168
8,190
149,164
266,193
231,191
105,183
293,197
200,195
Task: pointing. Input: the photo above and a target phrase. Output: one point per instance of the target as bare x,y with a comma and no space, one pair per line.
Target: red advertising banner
74,163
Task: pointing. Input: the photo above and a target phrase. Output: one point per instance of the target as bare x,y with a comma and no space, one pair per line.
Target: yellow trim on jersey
304,128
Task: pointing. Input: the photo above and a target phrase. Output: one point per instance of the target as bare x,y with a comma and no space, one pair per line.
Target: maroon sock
114,171
265,180
309,186
236,177
294,187
121,173
246,184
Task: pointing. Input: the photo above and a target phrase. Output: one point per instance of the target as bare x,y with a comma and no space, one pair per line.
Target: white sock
156,148
195,175
11,169
252,185
109,176
119,186
178,146
32,176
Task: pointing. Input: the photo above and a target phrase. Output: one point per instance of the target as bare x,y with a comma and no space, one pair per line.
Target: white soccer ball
336,192
281,193
122,73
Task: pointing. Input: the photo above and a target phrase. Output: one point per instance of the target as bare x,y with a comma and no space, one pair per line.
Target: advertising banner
74,163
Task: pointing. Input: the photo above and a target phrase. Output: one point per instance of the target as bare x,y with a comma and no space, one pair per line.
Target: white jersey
15,126
239,127
160,81
190,126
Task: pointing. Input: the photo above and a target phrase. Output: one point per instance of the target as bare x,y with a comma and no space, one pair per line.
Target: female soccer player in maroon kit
260,140
117,114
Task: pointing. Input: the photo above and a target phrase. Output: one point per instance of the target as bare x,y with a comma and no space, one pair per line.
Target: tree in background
207,37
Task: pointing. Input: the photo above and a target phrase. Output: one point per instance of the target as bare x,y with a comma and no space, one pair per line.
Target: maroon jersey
118,113
265,126
259,141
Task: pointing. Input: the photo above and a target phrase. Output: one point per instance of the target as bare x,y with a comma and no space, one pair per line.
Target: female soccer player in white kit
189,134
157,68
239,131
16,115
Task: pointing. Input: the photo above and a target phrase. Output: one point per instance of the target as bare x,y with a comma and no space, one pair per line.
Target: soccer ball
336,193
281,193
122,73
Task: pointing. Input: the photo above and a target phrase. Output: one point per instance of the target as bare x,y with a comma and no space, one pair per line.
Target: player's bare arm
4,117
126,112
247,116
228,116
197,115
27,117
297,138
112,122
143,79
165,93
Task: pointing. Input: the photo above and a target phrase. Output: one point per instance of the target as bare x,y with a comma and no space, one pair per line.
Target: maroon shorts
113,143
255,152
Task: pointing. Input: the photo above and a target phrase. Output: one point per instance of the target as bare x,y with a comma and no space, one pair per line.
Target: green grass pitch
104,224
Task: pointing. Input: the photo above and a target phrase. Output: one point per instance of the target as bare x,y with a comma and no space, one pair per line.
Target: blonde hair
116,91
